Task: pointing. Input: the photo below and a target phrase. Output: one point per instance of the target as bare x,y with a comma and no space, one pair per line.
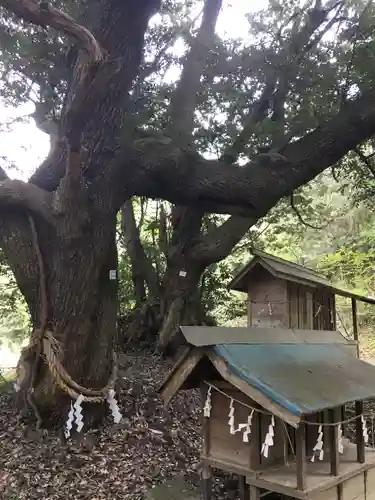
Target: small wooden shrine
279,407
286,295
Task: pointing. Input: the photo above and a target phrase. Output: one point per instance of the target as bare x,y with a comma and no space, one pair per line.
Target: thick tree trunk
156,321
178,301
76,230
82,312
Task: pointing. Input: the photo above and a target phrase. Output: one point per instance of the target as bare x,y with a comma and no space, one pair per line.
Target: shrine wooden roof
289,271
291,374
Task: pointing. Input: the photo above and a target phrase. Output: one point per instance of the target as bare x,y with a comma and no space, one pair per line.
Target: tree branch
285,69
16,241
301,219
366,160
141,265
20,194
103,114
44,14
218,243
184,177
187,222
185,97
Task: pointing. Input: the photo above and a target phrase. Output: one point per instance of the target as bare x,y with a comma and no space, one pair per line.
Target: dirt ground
117,461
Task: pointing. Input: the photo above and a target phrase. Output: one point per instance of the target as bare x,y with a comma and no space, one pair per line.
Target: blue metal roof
302,378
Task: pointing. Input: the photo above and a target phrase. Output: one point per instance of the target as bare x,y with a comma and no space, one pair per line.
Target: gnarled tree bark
74,215
99,163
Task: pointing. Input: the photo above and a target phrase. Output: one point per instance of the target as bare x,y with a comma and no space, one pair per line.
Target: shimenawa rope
46,344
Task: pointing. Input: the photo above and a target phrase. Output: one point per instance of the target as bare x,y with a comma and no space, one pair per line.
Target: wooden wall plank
293,305
267,298
309,311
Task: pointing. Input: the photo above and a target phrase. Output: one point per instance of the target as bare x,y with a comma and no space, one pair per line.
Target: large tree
58,230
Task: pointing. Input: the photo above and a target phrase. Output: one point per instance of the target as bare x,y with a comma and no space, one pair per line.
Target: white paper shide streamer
78,412
247,428
340,445
364,429
112,402
319,445
208,404
69,422
232,430
268,440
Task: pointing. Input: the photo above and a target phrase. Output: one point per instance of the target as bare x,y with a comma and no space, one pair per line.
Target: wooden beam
182,370
301,456
333,441
256,479
359,433
355,323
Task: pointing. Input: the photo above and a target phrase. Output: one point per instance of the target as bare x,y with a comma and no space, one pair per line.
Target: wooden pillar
206,482
333,312
244,488
359,433
343,418
249,309
255,458
254,493
301,456
334,416
206,469
355,323
340,491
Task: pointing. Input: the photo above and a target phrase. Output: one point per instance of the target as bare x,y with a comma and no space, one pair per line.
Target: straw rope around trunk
45,345
65,381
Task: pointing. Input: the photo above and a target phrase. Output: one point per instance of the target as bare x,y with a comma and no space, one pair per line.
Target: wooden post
206,469
206,482
343,418
255,445
340,491
333,312
333,441
249,309
359,433
355,323
301,456
254,493
244,488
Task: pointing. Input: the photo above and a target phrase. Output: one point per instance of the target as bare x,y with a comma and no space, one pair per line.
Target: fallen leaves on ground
116,462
